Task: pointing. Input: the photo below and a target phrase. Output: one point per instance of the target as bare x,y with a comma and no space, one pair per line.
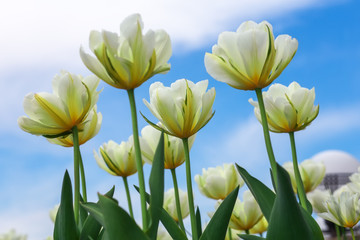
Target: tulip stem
76,173
230,235
139,165
128,196
352,233
247,231
338,234
299,183
83,181
177,199
267,135
189,189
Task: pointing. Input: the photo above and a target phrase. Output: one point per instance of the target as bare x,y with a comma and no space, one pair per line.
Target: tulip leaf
156,183
218,225
91,228
63,134
250,237
287,212
117,222
198,222
169,223
315,228
262,194
156,126
95,211
65,225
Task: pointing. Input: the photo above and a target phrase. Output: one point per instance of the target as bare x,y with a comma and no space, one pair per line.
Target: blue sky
41,38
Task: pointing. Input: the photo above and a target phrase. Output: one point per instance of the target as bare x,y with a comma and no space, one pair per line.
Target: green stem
177,199
230,235
344,233
299,182
189,189
338,234
128,196
76,173
267,135
247,231
138,159
83,181
352,233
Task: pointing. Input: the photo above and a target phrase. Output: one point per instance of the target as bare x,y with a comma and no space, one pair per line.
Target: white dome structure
339,166
337,161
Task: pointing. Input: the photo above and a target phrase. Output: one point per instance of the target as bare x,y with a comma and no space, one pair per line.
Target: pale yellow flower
12,235
162,234
354,184
343,210
217,183
184,108
288,109
312,173
260,227
127,60
53,114
53,212
246,214
173,147
318,199
250,58
117,159
170,204
91,127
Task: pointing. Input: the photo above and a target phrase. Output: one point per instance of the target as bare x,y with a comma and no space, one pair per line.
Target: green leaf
315,228
95,211
117,222
171,226
198,222
83,214
65,225
263,195
218,225
287,220
250,237
91,228
169,223
156,183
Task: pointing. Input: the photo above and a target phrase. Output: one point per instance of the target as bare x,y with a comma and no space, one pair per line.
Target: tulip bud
183,109
260,227
246,214
288,109
318,198
217,183
250,58
170,204
117,159
127,60
312,173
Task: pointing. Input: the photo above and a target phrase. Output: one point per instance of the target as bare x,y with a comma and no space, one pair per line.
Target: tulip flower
246,214
162,234
260,227
354,184
318,198
117,159
53,212
288,109
12,235
249,58
127,60
170,205
343,210
55,114
217,183
174,149
312,173
91,127
184,108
